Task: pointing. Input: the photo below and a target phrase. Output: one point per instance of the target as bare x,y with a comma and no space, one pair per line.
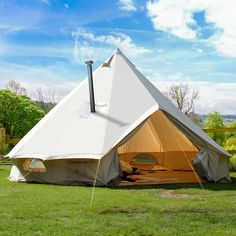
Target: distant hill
228,118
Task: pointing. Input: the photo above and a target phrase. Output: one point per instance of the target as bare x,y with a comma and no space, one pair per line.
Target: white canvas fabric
70,171
71,131
124,99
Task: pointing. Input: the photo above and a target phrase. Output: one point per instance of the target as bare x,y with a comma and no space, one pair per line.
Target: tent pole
185,155
94,184
27,173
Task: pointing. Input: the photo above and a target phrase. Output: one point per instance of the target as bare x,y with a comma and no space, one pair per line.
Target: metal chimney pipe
91,89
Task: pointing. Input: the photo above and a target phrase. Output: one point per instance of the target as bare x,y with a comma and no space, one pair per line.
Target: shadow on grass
208,186
126,210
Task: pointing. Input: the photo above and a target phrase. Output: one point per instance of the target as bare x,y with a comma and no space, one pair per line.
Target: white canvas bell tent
132,118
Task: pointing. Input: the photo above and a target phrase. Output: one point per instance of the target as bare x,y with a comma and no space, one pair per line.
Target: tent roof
124,98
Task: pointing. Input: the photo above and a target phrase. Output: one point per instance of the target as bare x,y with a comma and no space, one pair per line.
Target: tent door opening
153,156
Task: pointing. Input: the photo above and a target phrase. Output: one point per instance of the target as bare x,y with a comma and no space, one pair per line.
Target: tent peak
118,51
108,62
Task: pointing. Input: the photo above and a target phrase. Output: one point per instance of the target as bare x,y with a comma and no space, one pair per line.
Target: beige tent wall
70,171
159,137
215,164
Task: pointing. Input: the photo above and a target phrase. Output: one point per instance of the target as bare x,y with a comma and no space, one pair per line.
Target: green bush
18,113
230,144
233,164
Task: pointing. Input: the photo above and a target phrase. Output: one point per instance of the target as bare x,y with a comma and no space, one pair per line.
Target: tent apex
118,51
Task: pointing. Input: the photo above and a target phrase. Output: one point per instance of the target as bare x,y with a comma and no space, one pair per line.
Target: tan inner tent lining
159,138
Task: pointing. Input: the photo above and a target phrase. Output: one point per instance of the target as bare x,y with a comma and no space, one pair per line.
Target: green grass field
37,209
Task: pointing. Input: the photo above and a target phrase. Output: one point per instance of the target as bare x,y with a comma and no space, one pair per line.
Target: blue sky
44,43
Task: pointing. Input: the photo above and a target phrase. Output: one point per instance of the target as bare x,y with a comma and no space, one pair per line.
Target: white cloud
127,5
213,96
8,28
177,18
88,45
32,78
222,15
66,5
199,50
220,97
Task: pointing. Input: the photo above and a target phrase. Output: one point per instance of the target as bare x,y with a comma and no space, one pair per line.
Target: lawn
37,209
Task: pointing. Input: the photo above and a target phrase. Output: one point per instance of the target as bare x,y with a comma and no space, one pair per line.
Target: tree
230,143
183,96
231,125
45,99
46,96
197,119
215,120
18,113
16,87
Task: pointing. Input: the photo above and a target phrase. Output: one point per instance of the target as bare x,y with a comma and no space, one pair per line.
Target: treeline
18,112
225,139
185,97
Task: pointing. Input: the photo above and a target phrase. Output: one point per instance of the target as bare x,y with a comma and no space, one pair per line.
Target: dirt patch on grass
129,210
172,194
